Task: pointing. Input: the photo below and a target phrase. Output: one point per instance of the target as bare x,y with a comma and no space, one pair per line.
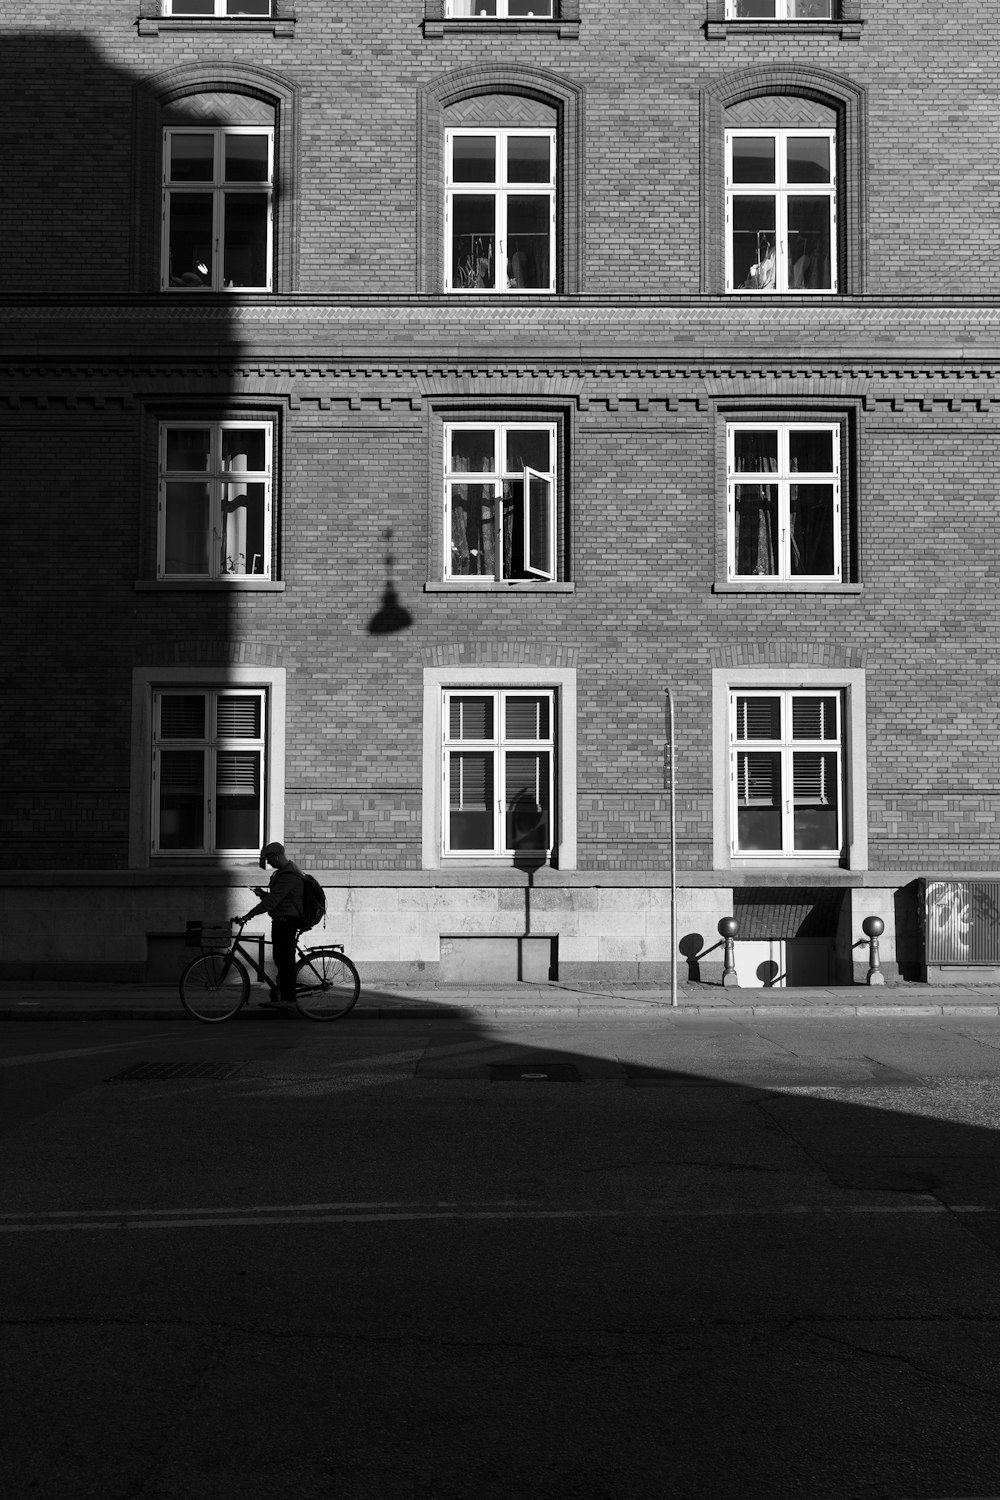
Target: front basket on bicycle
207,935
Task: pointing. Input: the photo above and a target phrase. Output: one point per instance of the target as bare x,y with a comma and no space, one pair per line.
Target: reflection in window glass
500,794
209,789
782,239
215,500
787,790
230,209
485,528
787,524
501,240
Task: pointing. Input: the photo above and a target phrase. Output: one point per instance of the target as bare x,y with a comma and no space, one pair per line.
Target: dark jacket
284,892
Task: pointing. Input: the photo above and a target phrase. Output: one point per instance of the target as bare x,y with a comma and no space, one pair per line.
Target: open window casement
539,558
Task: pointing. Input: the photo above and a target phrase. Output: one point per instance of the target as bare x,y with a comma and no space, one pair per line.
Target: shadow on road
444,1258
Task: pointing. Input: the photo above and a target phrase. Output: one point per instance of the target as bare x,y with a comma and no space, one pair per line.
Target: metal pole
673,856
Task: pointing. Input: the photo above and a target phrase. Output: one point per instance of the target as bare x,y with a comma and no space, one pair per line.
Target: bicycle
215,986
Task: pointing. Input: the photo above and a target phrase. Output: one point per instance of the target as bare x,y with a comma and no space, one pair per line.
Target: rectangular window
783,500
216,7
500,204
498,10
215,490
217,208
499,500
499,765
208,770
781,211
779,10
786,773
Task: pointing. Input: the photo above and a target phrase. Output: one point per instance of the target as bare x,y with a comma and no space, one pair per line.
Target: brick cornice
439,339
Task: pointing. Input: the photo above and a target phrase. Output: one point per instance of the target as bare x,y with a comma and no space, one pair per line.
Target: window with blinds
208,771
499,764
786,760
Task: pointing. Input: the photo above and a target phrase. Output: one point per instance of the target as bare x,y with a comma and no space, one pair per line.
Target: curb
636,1011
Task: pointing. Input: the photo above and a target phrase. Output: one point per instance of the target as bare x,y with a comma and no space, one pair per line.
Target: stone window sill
521,586
847,31
276,25
565,30
209,585
767,586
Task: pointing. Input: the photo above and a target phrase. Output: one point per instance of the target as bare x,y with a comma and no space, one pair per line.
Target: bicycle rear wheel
214,987
326,985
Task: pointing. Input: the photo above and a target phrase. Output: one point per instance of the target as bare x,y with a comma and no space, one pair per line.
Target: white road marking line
375,1213
79,1052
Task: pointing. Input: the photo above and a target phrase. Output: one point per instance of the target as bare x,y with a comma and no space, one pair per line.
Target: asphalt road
380,1259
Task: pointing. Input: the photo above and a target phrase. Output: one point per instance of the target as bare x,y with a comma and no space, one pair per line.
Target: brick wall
358,370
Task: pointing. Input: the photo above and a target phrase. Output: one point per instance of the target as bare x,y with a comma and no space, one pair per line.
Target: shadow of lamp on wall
392,616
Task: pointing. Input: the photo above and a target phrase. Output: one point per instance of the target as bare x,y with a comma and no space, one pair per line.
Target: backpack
313,903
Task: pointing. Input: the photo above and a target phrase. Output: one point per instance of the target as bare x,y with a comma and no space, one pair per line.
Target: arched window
783,169
215,187
500,187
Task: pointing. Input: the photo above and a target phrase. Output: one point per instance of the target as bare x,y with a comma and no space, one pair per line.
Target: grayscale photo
500,792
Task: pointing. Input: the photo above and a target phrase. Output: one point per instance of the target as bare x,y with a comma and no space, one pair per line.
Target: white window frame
781,190
500,190
465,10
230,9
218,480
440,683
850,685
220,190
538,488
784,10
147,683
499,747
782,479
785,747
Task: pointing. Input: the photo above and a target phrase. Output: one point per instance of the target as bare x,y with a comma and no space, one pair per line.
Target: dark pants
284,931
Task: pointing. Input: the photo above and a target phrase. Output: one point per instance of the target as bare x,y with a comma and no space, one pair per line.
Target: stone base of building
480,927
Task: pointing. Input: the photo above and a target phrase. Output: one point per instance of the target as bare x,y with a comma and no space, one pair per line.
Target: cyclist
282,900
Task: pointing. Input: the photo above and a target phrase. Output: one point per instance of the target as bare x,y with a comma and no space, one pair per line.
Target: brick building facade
674,284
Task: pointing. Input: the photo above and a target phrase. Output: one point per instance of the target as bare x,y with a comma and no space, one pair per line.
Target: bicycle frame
256,964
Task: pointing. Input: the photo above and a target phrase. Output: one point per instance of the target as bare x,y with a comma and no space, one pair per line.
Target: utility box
959,928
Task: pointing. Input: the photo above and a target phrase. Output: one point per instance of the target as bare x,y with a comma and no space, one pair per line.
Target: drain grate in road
156,1072
534,1072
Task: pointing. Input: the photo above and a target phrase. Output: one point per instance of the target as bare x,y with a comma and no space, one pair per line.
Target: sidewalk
38,1000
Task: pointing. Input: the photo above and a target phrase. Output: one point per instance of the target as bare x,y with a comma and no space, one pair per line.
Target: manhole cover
155,1072
534,1072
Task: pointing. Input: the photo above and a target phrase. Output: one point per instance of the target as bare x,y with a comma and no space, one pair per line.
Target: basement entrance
787,936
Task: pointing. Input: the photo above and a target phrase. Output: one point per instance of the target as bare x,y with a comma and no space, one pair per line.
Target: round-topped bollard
873,928
728,928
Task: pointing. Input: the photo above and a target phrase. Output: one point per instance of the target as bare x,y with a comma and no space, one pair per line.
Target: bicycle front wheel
214,987
326,985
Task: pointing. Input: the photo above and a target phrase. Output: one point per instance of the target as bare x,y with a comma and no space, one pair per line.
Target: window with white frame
499,765
209,748
217,208
786,773
781,211
216,7
499,500
215,495
500,210
779,10
498,10
783,500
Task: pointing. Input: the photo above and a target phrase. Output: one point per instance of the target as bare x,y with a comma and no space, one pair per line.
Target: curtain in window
809,243
473,545
757,506
811,515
